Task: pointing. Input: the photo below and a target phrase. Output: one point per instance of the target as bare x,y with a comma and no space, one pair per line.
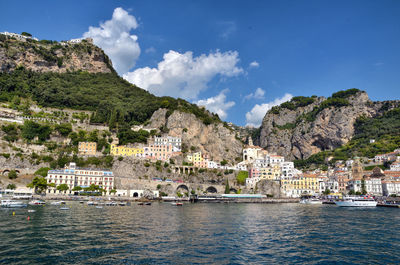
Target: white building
18,36
176,142
329,184
288,170
373,186
82,177
390,187
395,166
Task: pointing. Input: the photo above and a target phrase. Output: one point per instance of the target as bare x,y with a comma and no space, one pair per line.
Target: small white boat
176,203
99,207
37,202
91,203
357,202
64,208
57,203
31,211
311,201
12,204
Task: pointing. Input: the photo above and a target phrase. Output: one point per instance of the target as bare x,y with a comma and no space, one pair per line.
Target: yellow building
271,173
305,184
126,151
195,157
87,148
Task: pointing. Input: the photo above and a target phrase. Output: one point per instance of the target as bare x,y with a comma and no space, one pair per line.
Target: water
201,234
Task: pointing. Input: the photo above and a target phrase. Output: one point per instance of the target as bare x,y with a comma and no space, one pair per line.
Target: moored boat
356,202
37,202
311,201
176,203
12,204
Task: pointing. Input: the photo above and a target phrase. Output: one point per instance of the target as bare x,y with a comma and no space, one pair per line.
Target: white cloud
181,75
217,104
113,36
257,113
258,94
254,64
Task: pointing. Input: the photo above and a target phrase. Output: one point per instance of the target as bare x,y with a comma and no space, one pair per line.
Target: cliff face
214,139
45,56
292,134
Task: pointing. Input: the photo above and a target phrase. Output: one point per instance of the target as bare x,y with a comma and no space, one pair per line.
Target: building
176,142
343,180
306,184
18,36
373,186
391,187
87,148
83,177
159,152
357,170
126,151
395,166
329,184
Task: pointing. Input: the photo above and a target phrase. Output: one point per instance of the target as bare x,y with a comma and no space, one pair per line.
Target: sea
201,233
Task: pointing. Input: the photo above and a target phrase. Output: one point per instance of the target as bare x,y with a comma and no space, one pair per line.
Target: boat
311,201
99,207
140,203
176,203
12,204
57,203
37,202
31,211
357,202
112,203
91,203
64,208
122,203
147,203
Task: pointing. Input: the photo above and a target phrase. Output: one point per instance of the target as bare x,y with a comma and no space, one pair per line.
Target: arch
211,189
5,172
135,194
233,190
183,187
17,171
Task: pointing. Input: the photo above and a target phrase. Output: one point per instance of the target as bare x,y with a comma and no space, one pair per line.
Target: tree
12,174
42,171
113,191
11,186
326,192
227,189
39,184
241,177
63,187
224,162
77,188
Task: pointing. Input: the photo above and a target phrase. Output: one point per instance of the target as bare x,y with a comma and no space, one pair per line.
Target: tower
250,141
357,169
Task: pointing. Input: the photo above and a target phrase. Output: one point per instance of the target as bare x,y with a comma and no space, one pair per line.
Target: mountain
306,126
79,76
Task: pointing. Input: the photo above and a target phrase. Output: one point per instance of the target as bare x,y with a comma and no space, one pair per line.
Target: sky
236,58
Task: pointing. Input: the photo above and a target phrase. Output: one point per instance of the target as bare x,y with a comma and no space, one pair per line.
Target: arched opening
135,194
233,190
211,189
182,187
5,172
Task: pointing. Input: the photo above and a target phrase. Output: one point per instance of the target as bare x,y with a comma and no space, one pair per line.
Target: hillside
384,129
79,76
306,126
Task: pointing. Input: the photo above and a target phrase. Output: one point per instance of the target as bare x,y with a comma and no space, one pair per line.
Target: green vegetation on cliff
113,100
384,129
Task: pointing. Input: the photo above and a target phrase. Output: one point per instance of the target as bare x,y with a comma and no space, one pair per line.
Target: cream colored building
87,148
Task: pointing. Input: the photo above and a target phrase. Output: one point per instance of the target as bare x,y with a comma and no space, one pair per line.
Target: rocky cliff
49,56
299,130
214,139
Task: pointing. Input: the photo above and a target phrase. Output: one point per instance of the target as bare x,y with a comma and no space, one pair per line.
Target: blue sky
238,58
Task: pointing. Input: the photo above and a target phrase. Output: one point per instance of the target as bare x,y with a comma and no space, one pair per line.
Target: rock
332,127
42,58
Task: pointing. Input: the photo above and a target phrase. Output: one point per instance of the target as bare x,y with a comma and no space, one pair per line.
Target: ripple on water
200,234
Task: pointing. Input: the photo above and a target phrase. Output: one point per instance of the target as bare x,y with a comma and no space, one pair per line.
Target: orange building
87,148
